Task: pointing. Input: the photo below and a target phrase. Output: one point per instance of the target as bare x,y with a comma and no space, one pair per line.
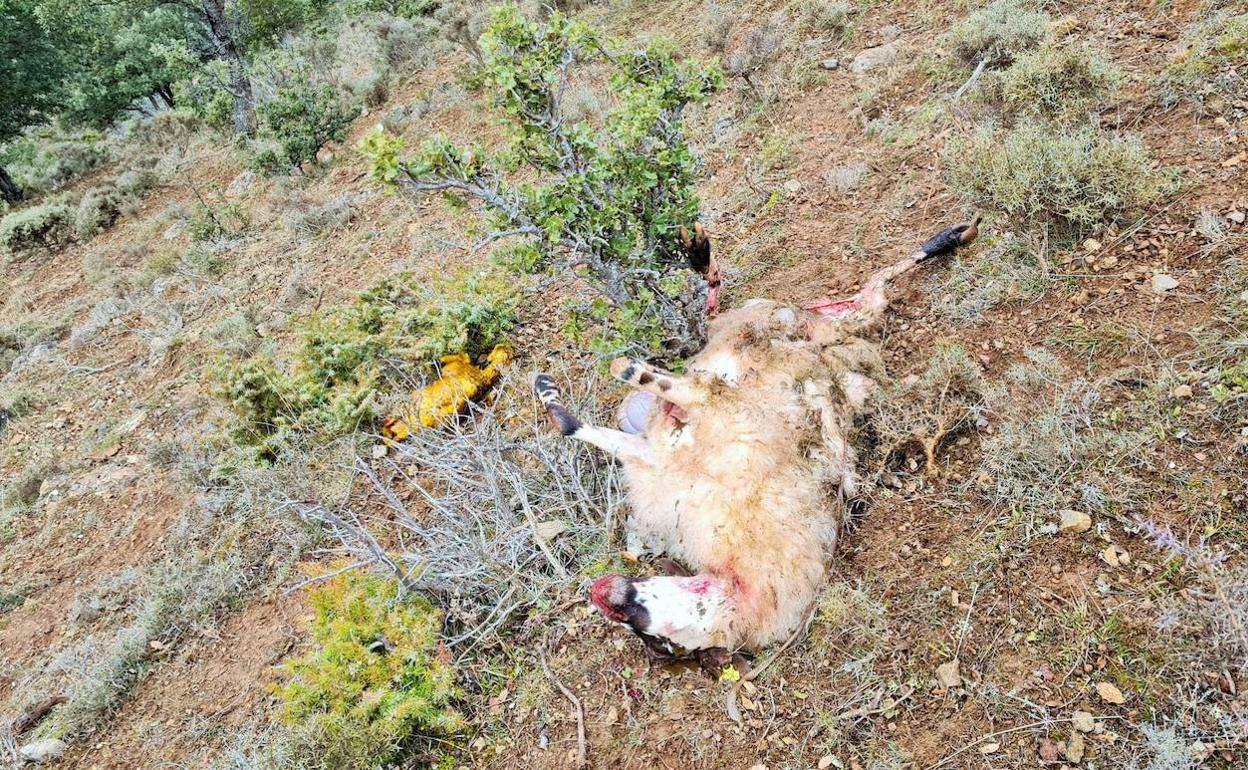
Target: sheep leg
681,391
868,305
619,444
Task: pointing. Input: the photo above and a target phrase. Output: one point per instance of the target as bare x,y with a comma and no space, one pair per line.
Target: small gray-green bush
994,272
998,33
99,208
1052,447
41,165
824,15
1041,175
48,225
1214,66
1058,82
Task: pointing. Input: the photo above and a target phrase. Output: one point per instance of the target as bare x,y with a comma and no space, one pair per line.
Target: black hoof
559,415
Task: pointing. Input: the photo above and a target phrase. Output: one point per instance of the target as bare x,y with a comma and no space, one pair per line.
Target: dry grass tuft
926,410
1051,447
508,512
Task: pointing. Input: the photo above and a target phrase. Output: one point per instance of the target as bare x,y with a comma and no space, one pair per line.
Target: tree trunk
165,92
9,191
240,84
223,25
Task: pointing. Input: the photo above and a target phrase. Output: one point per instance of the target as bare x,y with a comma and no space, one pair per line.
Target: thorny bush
611,198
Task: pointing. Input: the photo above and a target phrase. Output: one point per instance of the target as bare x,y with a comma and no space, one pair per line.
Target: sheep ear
697,248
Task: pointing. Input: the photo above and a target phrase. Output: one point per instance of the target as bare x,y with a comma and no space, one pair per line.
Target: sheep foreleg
619,444
675,389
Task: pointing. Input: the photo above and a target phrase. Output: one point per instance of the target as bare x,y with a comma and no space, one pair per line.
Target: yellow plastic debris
449,395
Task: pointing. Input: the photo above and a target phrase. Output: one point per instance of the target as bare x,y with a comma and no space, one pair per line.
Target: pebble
1163,283
874,58
42,751
830,64
1083,721
1074,747
1074,521
948,675
1236,216
792,186
1183,391
1110,693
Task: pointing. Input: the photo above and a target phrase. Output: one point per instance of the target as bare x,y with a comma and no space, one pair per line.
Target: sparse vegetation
927,410
1053,447
1066,180
1213,67
996,271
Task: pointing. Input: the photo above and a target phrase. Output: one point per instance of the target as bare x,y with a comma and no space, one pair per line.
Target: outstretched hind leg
614,442
868,305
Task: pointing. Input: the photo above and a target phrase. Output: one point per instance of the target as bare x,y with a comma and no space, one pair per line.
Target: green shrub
212,221
1214,66
1059,82
610,197
99,208
376,686
205,96
823,15
41,164
48,225
300,118
998,33
1064,178
388,337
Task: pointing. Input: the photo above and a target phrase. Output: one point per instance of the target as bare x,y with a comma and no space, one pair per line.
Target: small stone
890,32
874,58
1115,556
42,751
1108,261
792,186
1091,245
379,451
1183,391
549,530
1110,693
825,762
1074,747
1083,721
240,184
1048,750
1236,216
988,748
948,675
1163,283
1074,521
830,64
